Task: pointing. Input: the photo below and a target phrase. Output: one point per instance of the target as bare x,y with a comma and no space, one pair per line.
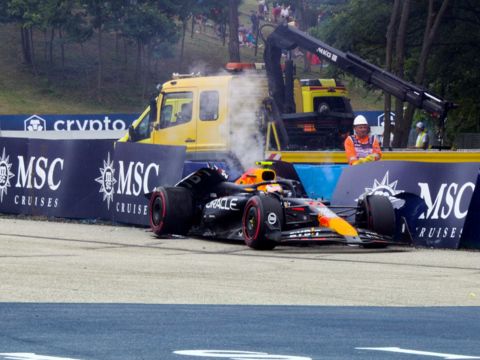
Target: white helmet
360,120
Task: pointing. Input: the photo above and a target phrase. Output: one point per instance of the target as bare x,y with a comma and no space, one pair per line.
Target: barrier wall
92,179
450,192
87,179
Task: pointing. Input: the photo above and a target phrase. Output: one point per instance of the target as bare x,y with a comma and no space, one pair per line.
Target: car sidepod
221,217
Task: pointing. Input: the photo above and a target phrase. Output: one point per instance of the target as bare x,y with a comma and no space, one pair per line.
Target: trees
233,43
26,14
433,20
419,41
455,65
150,24
434,43
153,27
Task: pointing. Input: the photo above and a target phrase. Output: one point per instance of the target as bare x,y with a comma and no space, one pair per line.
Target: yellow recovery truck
247,113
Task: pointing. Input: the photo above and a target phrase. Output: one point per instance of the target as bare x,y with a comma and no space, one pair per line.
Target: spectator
381,138
254,18
266,16
261,9
276,9
285,13
250,39
200,21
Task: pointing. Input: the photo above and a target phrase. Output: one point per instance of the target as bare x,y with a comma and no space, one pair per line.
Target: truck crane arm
287,37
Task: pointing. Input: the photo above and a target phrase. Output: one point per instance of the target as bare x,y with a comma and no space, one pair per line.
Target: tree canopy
448,65
434,43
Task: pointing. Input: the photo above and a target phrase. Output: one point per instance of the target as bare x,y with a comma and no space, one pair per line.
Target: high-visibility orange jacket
358,148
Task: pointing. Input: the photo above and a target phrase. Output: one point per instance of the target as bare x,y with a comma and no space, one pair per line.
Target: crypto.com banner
447,188
84,179
67,122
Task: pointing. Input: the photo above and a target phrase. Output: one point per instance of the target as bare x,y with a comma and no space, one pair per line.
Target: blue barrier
319,181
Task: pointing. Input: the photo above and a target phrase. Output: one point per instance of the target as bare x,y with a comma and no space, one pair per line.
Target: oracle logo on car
223,204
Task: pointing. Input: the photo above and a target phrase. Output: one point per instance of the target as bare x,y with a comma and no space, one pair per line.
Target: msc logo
35,123
384,187
451,199
107,180
5,174
38,173
131,180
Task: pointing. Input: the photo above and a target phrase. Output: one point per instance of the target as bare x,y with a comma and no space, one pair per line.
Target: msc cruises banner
67,122
88,179
448,189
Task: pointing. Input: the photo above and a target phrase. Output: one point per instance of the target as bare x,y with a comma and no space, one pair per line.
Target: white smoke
245,136
239,105
199,68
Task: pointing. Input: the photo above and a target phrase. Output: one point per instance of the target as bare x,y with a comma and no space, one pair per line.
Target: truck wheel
262,218
380,215
171,211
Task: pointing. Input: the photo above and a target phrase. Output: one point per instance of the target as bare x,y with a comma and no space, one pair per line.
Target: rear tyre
262,222
171,211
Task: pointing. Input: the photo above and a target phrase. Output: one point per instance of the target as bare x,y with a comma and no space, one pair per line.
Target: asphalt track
83,291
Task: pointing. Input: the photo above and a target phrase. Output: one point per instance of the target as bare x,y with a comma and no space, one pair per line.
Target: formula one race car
265,210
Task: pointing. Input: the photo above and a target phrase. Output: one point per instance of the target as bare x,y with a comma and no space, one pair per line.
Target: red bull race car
265,210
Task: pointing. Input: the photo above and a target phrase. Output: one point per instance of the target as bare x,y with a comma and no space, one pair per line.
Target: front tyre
171,211
380,214
262,222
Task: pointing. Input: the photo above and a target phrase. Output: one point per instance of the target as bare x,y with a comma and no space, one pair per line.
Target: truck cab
206,114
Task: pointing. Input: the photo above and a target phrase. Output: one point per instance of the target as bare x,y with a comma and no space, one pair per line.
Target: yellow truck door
177,125
211,135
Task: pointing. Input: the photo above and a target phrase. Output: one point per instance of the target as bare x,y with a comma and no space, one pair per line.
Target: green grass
57,90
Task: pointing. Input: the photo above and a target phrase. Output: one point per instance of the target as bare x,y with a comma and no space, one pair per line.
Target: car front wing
320,234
